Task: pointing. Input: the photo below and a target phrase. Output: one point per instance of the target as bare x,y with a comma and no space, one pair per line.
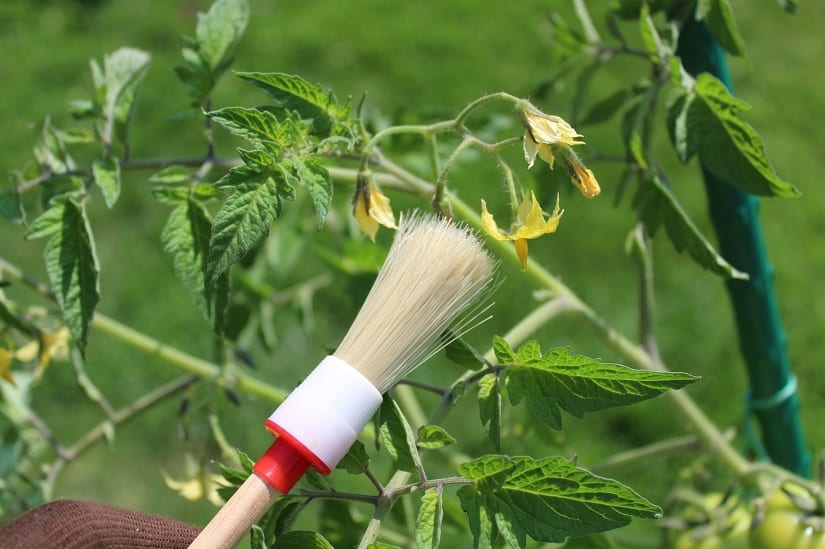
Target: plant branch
172,355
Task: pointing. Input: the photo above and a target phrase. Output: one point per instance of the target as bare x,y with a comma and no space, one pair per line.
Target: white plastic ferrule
328,409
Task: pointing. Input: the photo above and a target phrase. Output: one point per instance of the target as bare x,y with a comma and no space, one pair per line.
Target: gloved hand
71,524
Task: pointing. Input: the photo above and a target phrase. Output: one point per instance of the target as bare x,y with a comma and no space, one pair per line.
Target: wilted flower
530,223
551,137
371,207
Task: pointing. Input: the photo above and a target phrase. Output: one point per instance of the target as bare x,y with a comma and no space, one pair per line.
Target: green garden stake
735,216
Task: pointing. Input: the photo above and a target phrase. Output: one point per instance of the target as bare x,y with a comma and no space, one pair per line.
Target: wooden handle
237,516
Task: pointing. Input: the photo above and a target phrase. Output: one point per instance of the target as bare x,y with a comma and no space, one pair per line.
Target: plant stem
119,417
172,355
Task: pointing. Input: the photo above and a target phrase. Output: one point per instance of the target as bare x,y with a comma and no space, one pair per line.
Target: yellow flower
530,223
5,365
551,137
371,207
54,345
199,485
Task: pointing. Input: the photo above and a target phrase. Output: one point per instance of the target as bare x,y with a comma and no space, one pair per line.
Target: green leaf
462,353
396,435
650,36
50,150
489,408
116,83
172,175
294,93
255,125
281,516
11,203
551,499
218,32
243,219
338,522
560,381
356,460
504,354
655,203
256,538
719,19
482,523
707,121
318,183
428,522
433,437
300,539
71,262
382,545
488,472
186,236
106,173
788,5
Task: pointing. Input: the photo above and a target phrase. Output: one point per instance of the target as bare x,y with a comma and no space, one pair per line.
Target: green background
422,60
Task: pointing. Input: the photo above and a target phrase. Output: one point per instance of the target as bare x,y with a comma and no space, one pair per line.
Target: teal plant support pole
735,216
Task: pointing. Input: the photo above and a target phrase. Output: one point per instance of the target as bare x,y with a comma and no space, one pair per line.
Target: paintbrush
434,271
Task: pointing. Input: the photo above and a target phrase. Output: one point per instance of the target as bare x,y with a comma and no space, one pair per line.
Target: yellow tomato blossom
371,207
551,137
530,223
199,485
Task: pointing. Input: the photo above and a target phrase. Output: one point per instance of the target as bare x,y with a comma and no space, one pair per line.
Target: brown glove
70,524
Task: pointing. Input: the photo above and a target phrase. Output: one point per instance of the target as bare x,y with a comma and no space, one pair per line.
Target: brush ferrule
327,410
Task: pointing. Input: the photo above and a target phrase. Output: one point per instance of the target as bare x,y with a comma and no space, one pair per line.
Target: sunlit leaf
548,500
720,21
428,521
558,381
396,435
433,437
106,173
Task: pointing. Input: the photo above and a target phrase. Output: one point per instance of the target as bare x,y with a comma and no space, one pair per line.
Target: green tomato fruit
727,528
785,526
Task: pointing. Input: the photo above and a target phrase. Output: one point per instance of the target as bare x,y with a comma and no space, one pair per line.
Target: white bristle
434,271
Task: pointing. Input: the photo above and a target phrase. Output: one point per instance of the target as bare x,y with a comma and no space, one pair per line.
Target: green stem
184,361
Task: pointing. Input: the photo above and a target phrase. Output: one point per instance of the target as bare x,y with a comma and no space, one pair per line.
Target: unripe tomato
727,528
786,526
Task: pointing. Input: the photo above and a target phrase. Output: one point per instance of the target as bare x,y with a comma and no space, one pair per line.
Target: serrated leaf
489,408
242,221
300,539
656,203
577,384
186,236
551,499
728,146
255,125
356,460
396,435
318,183
71,263
719,19
218,32
433,437
488,472
294,93
172,175
106,173
428,521
502,350
482,524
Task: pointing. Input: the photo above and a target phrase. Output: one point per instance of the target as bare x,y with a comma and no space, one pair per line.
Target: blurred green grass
408,58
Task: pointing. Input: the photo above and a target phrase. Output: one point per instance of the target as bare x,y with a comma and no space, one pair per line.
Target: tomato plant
785,524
